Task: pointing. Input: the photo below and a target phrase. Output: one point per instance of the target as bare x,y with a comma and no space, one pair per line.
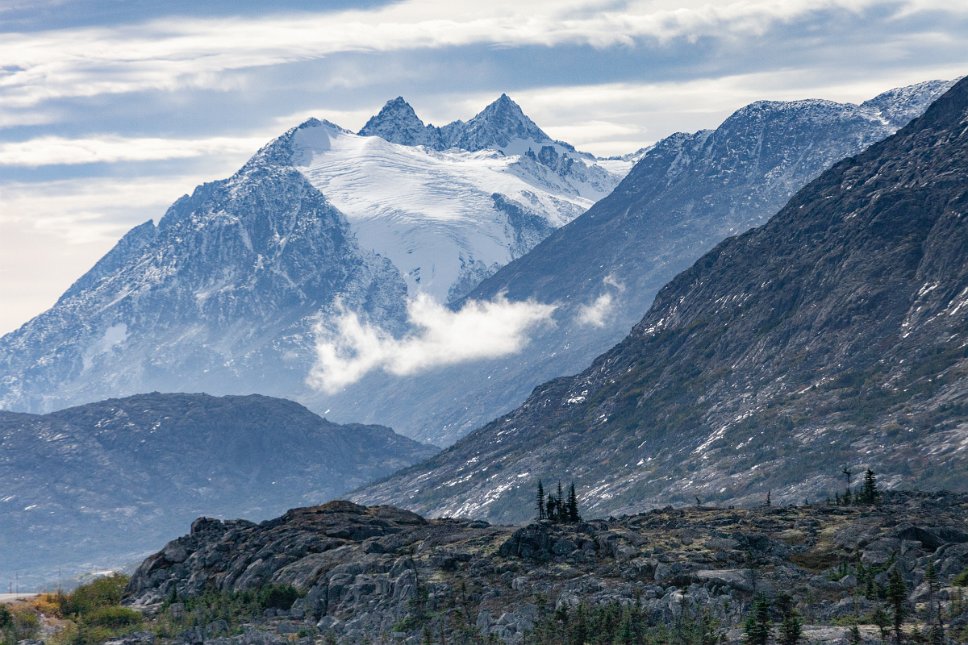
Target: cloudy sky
111,109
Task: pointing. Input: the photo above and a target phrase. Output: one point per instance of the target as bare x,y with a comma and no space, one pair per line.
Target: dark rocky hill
100,484
833,335
382,575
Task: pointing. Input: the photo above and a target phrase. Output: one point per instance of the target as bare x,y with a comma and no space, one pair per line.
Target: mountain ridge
685,194
833,334
97,483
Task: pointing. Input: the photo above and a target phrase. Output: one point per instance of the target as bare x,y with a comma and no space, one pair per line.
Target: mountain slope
834,334
110,479
226,292
687,193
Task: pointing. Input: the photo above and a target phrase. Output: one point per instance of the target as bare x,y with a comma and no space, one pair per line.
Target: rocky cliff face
382,575
834,334
102,483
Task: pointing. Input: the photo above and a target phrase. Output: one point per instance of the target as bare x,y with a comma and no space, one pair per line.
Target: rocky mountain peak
901,104
397,122
498,125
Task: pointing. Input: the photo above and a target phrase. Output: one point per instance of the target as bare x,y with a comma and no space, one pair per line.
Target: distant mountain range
104,482
833,336
231,289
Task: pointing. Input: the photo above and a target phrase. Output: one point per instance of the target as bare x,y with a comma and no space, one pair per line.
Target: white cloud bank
440,337
44,151
172,53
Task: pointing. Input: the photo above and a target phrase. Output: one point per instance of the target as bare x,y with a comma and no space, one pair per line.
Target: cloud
171,53
596,313
44,151
349,348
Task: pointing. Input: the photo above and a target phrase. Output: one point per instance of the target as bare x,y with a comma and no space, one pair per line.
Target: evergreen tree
541,501
791,627
551,510
756,631
560,505
848,500
936,633
883,623
869,494
896,596
853,635
573,504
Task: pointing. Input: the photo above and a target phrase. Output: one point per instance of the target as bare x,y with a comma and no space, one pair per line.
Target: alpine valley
828,340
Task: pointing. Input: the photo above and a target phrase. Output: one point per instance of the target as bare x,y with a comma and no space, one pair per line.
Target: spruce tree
573,504
896,596
853,635
756,631
883,623
791,627
541,501
869,493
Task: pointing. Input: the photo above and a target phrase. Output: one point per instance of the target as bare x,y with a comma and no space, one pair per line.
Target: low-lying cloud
596,313
349,348
46,151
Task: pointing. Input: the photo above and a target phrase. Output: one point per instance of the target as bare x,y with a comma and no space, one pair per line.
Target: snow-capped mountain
687,193
224,293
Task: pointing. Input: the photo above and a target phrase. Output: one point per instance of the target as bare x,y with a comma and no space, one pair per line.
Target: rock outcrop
380,574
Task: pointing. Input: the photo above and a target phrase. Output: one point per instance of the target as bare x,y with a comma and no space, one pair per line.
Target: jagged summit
224,294
502,125
397,122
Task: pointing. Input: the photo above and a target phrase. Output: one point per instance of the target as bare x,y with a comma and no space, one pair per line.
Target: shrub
961,580
18,623
102,592
113,617
278,596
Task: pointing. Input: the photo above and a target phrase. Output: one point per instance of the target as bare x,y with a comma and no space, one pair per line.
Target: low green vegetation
18,623
615,623
93,612
222,611
961,580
